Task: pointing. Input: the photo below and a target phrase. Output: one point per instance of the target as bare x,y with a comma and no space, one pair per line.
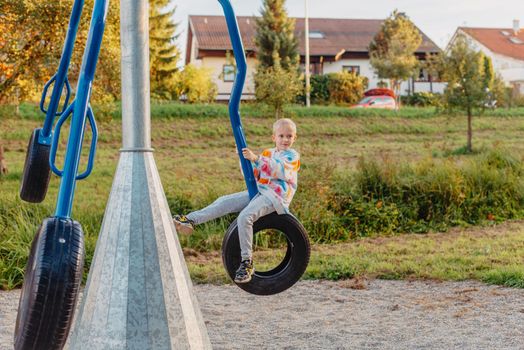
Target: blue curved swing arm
80,111
60,78
236,94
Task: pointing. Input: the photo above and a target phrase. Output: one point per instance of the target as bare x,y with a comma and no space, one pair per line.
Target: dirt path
332,315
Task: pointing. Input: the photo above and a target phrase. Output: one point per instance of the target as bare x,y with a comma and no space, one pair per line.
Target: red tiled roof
352,35
495,40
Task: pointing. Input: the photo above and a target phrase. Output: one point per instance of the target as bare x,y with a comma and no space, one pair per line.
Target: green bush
338,88
276,87
346,87
422,99
320,89
384,197
175,109
319,92
313,205
196,85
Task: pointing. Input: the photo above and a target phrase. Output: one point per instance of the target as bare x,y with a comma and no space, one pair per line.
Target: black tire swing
51,283
54,270
36,175
287,272
296,257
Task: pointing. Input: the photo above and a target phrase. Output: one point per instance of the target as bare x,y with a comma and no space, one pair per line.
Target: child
276,173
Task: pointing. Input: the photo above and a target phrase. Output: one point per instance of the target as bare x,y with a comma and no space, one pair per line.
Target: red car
381,101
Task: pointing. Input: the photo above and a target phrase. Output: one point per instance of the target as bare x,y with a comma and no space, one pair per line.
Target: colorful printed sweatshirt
276,173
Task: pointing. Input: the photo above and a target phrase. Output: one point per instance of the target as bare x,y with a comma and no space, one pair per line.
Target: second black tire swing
296,257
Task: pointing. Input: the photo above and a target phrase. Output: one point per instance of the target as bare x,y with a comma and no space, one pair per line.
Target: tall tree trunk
278,111
395,84
470,131
3,164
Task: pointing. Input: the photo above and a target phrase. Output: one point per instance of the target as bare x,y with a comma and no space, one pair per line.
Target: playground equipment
138,294
37,171
54,269
296,259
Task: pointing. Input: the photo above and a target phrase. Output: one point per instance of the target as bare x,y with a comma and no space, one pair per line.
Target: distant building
335,45
505,47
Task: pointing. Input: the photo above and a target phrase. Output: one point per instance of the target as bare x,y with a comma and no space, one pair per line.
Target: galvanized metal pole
139,294
308,85
136,111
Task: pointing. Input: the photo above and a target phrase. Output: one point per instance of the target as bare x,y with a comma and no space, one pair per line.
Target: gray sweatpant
250,211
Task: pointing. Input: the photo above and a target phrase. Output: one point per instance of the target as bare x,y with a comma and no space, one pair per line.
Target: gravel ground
351,315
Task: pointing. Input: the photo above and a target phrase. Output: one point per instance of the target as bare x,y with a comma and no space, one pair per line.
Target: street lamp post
308,88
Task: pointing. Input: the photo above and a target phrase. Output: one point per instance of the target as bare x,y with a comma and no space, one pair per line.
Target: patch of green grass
490,254
196,157
509,276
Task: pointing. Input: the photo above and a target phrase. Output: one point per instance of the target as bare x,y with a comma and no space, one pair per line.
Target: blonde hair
284,121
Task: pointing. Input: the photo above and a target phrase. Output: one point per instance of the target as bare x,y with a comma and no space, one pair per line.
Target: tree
276,80
196,84
3,164
163,53
489,72
469,77
346,87
275,38
31,43
277,87
393,49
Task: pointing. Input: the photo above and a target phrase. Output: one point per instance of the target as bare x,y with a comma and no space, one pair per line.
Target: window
423,75
352,69
314,68
380,101
228,72
516,40
315,34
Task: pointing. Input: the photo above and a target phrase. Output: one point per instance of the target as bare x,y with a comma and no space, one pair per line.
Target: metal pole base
139,294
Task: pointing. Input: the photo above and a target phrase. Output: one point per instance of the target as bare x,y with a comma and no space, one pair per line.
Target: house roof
499,40
351,35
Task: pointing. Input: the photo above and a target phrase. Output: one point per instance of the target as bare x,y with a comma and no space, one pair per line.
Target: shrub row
385,197
379,198
171,110
343,88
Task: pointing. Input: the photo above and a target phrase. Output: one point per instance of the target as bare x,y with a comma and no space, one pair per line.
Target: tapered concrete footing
138,294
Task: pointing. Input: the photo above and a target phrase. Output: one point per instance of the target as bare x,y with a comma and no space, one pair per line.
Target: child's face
284,137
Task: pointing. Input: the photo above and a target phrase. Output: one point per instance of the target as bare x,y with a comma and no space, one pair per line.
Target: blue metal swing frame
60,78
236,94
79,110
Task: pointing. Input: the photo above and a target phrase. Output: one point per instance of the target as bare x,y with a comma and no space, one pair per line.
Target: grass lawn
197,162
492,254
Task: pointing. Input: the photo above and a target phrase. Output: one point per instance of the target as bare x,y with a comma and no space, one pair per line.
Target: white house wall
511,70
216,64
366,70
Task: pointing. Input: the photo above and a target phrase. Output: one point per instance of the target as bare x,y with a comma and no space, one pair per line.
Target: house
335,45
505,47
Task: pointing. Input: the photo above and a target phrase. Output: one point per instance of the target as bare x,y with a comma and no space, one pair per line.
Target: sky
438,19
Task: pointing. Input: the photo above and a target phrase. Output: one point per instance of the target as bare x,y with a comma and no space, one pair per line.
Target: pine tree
275,39
163,53
489,72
